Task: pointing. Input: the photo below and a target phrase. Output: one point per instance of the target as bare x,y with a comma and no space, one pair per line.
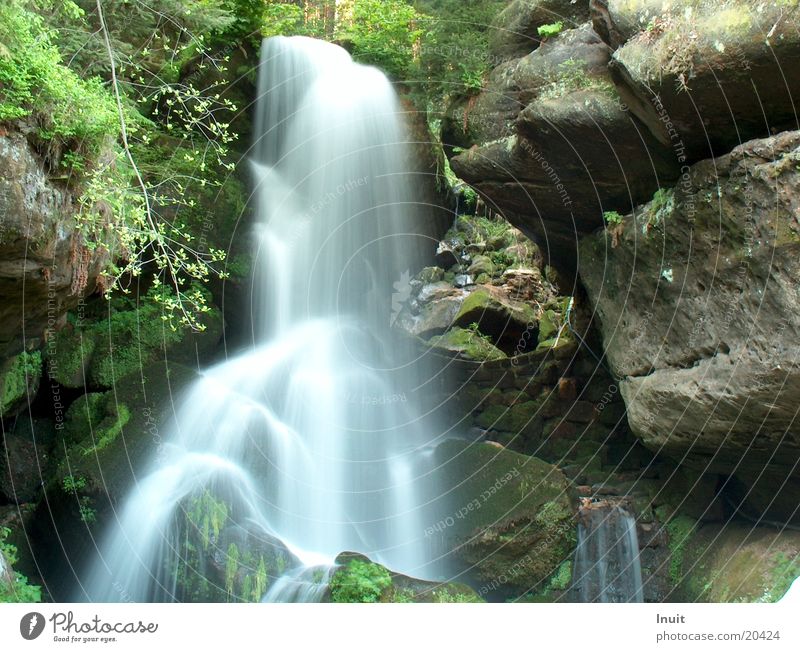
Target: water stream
304,435
607,564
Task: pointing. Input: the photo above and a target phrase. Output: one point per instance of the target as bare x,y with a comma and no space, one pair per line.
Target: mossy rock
509,517
481,265
100,353
94,472
430,274
223,560
133,418
738,563
549,323
95,420
468,344
358,579
513,418
495,314
19,381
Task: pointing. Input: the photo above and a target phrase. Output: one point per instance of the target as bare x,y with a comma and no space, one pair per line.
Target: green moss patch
738,563
100,353
19,379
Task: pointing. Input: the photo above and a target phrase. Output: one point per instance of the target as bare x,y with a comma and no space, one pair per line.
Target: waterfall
607,565
310,440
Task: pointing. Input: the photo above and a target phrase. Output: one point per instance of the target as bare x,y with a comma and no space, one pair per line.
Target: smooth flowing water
308,438
607,564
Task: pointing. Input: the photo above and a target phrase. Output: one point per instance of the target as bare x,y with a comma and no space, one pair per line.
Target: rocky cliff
650,149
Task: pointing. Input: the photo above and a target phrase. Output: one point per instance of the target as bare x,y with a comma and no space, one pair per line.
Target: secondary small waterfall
309,438
607,565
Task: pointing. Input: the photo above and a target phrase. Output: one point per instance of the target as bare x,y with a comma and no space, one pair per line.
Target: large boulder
492,113
697,300
705,77
516,28
45,265
510,517
574,150
736,563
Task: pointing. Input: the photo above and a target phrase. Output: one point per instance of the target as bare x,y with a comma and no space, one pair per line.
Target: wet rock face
510,517
40,248
697,300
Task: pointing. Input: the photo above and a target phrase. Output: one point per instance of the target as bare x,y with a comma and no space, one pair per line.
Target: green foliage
34,84
359,581
19,590
661,198
784,571
448,595
454,52
231,567
383,33
128,203
106,431
562,578
469,343
207,514
72,484
102,351
550,29
282,18
612,218
86,510
680,528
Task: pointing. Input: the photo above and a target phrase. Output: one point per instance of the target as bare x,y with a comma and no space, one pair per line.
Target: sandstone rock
446,256
698,307
618,20
576,153
512,85
705,76
41,251
100,469
437,291
100,351
516,27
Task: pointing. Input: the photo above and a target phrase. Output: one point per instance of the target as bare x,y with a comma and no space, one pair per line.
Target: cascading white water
309,437
607,564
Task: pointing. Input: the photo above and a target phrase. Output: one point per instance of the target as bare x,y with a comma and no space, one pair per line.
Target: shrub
19,590
550,29
359,581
